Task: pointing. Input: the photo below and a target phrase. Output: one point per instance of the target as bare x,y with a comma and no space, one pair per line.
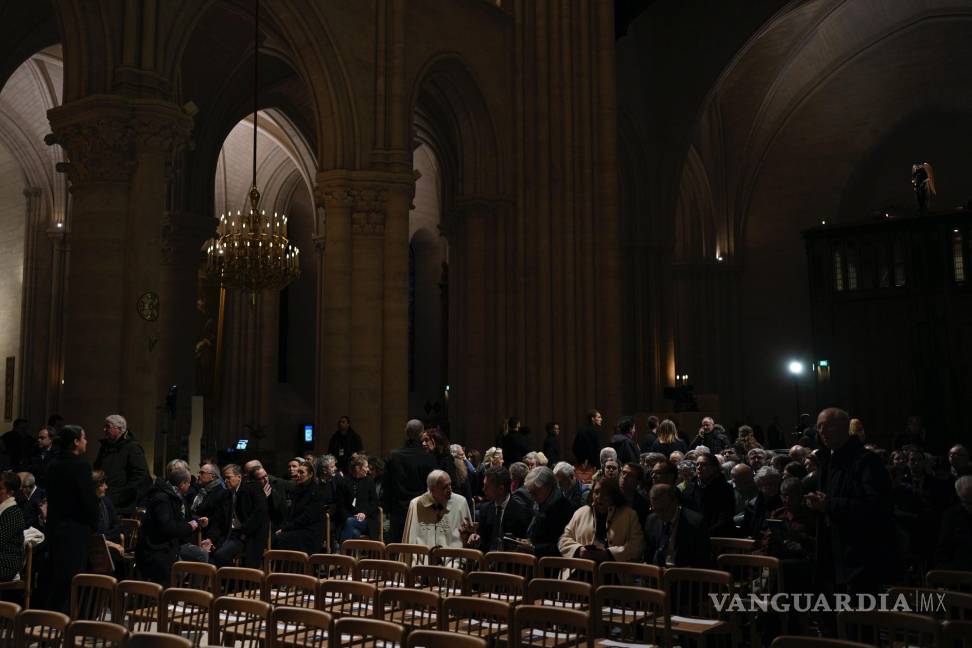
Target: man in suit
32,496
249,522
674,535
551,513
406,471
501,514
210,502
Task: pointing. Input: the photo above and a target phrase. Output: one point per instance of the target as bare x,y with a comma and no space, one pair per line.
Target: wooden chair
8,620
157,640
511,562
383,573
95,634
440,639
577,569
241,582
410,554
366,633
468,560
282,561
332,566
136,605
298,627
92,596
40,629
194,575
341,598
731,545
632,614
688,598
551,592
483,618
547,627
942,605
360,549
412,608
786,641
752,574
631,574
185,612
956,581
444,581
957,634
879,628
241,621
501,587
294,590
26,582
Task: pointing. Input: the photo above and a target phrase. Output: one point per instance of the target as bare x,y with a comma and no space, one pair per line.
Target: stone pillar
54,367
35,309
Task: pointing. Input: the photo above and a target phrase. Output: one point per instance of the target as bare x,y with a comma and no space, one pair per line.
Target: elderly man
278,491
956,533
674,535
123,462
762,506
438,517
958,461
551,513
711,436
570,487
166,531
31,496
744,486
209,502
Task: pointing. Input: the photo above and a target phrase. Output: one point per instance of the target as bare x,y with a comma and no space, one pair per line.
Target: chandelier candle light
251,250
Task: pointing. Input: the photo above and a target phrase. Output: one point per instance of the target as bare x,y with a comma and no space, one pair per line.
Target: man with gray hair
123,462
956,534
570,487
405,472
551,513
438,517
31,496
167,532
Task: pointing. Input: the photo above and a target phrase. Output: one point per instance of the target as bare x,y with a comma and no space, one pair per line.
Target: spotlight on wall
795,367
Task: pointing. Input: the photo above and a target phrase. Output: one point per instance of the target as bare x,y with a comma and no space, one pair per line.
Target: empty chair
410,554
694,613
343,598
632,614
484,618
284,561
295,590
957,634
752,574
468,560
547,627
136,605
444,581
185,612
440,639
298,628
552,592
240,621
359,549
578,569
957,581
241,582
383,573
8,619
40,629
352,632
814,642
501,587
412,608
195,575
511,562
881,628
731,545
92,596
157,640
95,634
332,566
630,573
943,605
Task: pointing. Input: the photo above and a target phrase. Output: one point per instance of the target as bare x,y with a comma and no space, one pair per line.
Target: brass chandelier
251,250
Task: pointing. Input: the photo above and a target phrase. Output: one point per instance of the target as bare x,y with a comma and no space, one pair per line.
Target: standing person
651,433
551,444
123,460
345,442
43,455
587,443
711,436
19,444
405,472
516,443
304,528
623,441
668,440
72,515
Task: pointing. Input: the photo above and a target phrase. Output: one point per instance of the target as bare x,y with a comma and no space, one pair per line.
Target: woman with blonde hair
668,440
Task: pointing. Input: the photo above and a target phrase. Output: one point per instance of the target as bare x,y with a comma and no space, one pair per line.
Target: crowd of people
842,514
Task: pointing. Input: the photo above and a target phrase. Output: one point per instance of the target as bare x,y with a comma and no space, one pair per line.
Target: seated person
674,535
500,515
551,513
358,501
108,525
606,529
438,517
304,528
955,537
165,531
570,487
12,528
31,496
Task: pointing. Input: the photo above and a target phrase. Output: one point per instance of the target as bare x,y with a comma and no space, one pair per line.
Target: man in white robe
436,517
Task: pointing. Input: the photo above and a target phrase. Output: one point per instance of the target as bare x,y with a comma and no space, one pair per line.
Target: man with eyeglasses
713,497
210,502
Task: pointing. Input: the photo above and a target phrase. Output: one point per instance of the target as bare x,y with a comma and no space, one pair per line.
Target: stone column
35,310
54,367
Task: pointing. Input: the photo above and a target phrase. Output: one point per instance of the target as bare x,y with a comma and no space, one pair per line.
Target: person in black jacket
44,454
624,443
249,520
358,501
165,527
587,443
210,503
72,516
345,442
123,461
551,444
690,546
516,443
713,497
405,473
501,515
304,528
551,513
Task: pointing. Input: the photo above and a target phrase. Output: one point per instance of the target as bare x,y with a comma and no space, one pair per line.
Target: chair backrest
440,639
957,634
511,562
752,574
95,634
92,596
790,641
185,612
346,598
940,604
282,561
502,587
374,549
194,575
295,590
383,573
475,616
136,605
631,574
44,628
410,554
157,640
130,528
888,628
332,566
553,592
468,560
957,581
631,614
444,581
241,582
292,627
8,619
410,607
577,569
536,625
689,589
352,632
731,545
242,620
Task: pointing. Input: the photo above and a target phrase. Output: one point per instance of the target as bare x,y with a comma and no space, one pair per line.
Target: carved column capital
98,137
161,127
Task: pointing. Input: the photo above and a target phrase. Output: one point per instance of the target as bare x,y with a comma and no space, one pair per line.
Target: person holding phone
606,529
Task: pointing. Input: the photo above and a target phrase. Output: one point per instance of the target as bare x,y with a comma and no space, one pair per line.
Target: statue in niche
923,182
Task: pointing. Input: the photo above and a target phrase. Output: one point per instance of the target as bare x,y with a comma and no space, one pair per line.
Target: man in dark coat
344,443
123,462
711,436
674,535
165,527
713,497
551,512
210,502
587,443
44,454
250,521
405,473
551,444
955,539
855,498
500,515
623,441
